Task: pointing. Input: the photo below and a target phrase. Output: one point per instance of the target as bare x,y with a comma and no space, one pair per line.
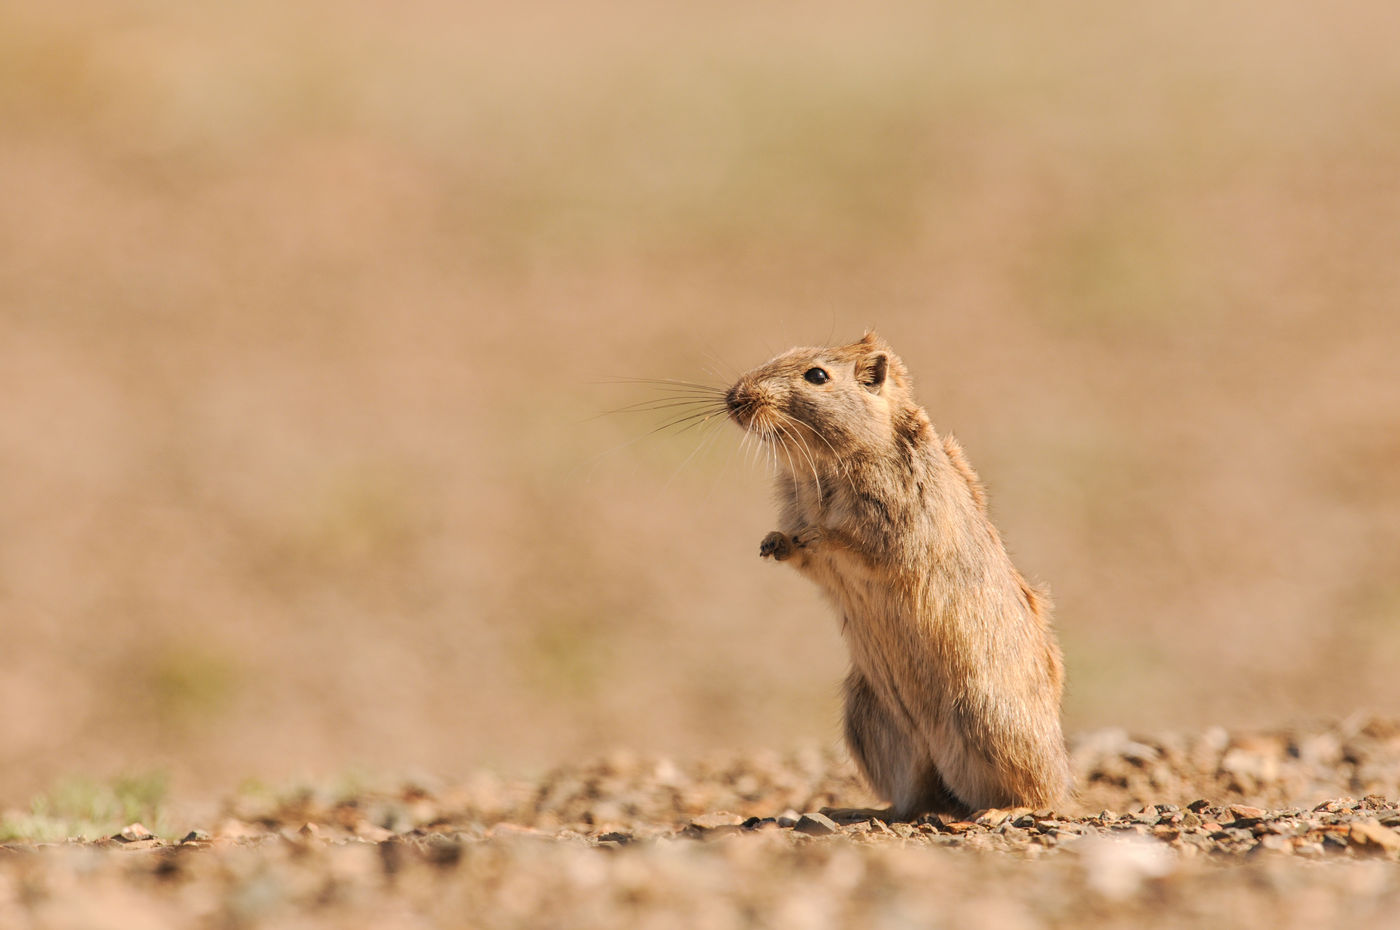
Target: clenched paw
776,545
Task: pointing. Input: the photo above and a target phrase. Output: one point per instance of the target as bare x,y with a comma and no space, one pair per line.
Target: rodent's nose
734,399
740,402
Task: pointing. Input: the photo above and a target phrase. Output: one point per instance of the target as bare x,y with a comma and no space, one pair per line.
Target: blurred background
308,314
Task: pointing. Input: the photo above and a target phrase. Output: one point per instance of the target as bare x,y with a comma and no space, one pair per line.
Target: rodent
952,702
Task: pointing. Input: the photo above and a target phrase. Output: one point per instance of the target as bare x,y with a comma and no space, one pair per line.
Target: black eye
817,375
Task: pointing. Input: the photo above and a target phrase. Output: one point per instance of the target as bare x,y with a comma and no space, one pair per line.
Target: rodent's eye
816,375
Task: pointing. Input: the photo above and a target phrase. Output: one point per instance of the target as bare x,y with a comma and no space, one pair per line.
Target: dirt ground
1295,828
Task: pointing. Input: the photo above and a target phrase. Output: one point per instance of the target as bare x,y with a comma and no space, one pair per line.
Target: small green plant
82,807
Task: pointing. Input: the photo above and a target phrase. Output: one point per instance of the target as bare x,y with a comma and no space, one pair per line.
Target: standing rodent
953,698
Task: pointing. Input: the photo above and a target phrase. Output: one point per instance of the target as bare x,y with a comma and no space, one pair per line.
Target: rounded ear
871,371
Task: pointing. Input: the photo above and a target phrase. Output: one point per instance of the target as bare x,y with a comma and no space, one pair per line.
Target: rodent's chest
828,508
859,582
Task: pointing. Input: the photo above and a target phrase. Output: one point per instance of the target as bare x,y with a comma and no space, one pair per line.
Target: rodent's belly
902,653
878,622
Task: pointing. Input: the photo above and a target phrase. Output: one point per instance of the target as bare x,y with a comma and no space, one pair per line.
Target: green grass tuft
85,808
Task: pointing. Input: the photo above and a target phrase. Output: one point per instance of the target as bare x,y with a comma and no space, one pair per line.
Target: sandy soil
1294,828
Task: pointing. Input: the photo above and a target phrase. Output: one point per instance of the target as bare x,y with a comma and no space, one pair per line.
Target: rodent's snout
740,401
734,400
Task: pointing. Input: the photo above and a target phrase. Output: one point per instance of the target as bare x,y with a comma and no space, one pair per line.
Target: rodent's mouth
753,410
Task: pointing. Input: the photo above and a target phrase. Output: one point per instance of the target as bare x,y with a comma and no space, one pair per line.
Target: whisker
668,383
746,448
811,462
781,434
705,439
842,465
691,418
761,447
636,439
718,478
687,392
682,405
813,430
684,396
719,368
667,403
701,422
655,404
807,454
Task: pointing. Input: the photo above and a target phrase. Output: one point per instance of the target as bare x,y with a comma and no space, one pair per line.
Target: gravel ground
1292,828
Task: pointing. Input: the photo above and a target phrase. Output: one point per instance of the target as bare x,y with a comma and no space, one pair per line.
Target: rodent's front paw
777,546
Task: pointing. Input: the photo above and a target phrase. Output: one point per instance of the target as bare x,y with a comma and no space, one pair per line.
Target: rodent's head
824,403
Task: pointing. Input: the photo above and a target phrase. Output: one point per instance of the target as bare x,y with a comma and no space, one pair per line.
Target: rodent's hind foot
776,545
849,815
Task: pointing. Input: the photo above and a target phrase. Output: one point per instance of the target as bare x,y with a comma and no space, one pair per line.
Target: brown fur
953,699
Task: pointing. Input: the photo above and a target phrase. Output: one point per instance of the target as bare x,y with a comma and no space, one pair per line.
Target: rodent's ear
871,371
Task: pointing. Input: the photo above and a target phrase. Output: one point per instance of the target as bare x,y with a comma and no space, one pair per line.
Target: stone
375,834
617,838
717,819
510,831
1370,836
1244,812
816,823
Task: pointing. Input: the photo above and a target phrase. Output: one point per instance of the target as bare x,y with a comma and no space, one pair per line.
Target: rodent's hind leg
894,764
932,795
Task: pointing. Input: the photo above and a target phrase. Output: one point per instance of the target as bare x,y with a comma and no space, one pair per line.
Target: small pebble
815,823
